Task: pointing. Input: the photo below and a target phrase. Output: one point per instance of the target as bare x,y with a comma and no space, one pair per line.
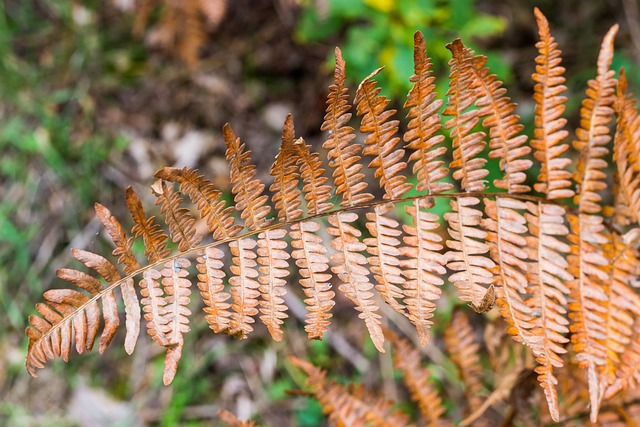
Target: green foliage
380,32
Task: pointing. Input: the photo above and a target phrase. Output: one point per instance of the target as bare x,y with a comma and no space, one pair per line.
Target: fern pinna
559,263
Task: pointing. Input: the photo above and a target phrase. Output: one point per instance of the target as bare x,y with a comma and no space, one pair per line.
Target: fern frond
407,359
626,146
207,199
127,259
343,155
155,241
468,255
422,267
70,316
247,189
286,196
381,141
507,228
181,223
427,147
464,353
548,136
467,166
244,286
548,289
590,290
176,288
309,252
349,266
210,283
505,141
346,408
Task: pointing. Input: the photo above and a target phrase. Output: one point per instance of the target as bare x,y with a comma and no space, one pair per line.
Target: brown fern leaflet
560,265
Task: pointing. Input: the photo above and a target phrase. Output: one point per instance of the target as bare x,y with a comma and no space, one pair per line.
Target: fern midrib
238,237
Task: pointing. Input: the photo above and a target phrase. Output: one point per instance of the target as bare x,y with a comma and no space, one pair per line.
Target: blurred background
97,95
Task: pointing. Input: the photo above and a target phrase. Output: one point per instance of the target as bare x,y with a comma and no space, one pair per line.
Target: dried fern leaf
311,258
349,265
316,192
505,141
506,226
384,250
407,359
588,291
343,154
309,251
272,257
122,244
206,197
628,372
623,307
422,267
593,134
626,146
71,317
180,222
547,286
253,207
247,189
424,122
345,407
211,285
381,141
155,241
554,179
468,256
286,195
176,288
467,166
591,290
464,352
154,306
244,286
128,260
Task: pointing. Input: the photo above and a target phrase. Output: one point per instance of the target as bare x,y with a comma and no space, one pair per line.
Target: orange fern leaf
207,199
588,262
310,253
155,241
423,267
554,179
407,359
128,260
464,352
548,289
180,222
343,155
504,126
347,408
210,283
420,137
626,146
